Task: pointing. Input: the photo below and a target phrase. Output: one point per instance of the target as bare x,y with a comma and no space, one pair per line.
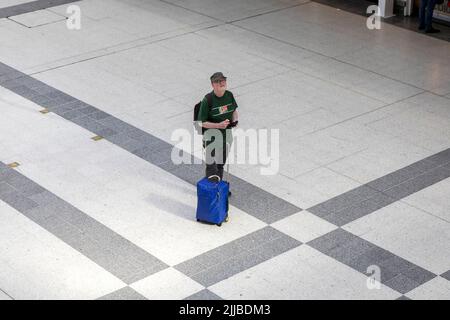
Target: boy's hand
224,124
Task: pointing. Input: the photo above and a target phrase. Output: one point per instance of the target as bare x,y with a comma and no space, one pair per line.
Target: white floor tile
37,18
327,182
304,226
168,284
436,289
379,159
433,199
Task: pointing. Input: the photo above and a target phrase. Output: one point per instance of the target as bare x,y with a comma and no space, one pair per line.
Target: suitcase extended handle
215,175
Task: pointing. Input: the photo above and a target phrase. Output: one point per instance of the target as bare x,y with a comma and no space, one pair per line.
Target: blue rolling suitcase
212,205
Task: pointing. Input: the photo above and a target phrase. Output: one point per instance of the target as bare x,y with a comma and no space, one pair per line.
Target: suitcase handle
214,175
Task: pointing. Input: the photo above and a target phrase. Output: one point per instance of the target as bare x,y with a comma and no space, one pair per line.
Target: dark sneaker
432,30
421,28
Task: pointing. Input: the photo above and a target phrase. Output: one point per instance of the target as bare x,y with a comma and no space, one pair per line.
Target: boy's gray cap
218,76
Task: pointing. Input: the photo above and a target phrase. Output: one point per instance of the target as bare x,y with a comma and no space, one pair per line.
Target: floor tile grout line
424,211
335,58
9,185
280,9
152,41
269,12
365,113
19,23
1,290
232,21
337,84
37,26
384,20
231,88
296,69
366,184
351,118
108,48
50,9
191,10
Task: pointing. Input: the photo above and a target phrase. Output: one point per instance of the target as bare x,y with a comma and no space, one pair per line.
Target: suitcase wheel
219,224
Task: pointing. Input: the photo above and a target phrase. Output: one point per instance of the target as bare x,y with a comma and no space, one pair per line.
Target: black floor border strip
31,7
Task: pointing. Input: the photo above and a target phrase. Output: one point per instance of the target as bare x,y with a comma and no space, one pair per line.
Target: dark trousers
426,13
215,161
214,169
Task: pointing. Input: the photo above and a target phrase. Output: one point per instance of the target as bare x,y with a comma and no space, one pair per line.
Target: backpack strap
209,101
209,98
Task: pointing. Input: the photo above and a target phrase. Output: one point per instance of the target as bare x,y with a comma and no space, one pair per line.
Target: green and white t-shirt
222,108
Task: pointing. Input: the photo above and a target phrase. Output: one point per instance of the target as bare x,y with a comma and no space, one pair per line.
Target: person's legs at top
423,6
429,17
